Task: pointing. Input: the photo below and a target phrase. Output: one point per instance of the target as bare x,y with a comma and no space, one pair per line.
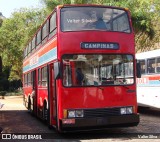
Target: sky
9,6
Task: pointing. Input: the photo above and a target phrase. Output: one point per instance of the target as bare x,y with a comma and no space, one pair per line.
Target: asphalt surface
17,121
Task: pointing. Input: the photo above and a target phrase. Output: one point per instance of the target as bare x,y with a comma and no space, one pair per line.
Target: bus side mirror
138,69
56,70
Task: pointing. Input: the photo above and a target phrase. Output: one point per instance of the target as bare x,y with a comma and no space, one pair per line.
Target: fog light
123,111
129,110
71,113
79,113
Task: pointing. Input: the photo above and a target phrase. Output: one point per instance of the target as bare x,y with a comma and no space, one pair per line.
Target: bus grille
101,112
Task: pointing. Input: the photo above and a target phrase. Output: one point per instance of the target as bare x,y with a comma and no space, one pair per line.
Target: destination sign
99,45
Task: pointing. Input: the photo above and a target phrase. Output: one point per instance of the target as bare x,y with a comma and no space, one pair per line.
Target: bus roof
91,5
148,54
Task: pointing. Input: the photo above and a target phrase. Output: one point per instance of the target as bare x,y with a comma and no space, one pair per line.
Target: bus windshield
97,70
94,18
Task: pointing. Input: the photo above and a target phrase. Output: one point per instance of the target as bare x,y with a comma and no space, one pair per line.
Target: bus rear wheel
29,104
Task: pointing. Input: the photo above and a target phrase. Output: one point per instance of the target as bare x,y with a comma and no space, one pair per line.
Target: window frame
44,76
39,37
53,21
39,77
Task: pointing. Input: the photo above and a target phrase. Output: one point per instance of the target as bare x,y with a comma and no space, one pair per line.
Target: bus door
52,96
34,92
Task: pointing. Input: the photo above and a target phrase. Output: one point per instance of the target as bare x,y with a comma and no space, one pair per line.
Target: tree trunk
0,65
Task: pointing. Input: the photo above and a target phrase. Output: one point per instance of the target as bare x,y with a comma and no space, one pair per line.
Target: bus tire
45,112
29,104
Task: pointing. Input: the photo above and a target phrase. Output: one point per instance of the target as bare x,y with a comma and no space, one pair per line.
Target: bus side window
143,66
25,80
44,76
158,65
151,65
39,77
52,25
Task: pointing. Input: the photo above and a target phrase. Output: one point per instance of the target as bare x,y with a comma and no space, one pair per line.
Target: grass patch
15,93
9,93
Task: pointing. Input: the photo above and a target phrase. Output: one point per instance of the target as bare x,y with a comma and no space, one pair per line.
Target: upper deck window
39,37
94,18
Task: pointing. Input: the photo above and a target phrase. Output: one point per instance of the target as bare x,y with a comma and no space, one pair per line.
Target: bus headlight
71,113
129,110
79,113
126,110
75,113
123,110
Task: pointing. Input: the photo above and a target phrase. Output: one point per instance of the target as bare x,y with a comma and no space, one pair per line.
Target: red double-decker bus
79,69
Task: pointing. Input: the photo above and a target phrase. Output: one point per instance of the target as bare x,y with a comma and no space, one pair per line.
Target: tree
0,65
50,4
1,21
14,35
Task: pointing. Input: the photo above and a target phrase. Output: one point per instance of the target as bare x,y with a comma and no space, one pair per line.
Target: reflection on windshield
94,18
95,70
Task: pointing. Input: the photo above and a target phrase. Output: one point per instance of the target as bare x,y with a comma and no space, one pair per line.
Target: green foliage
0,65
15,33
51,4
1,21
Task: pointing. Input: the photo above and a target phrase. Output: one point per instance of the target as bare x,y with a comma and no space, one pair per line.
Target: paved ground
12,103
14,118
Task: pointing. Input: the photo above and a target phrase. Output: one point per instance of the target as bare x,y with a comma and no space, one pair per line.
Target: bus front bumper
100,122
